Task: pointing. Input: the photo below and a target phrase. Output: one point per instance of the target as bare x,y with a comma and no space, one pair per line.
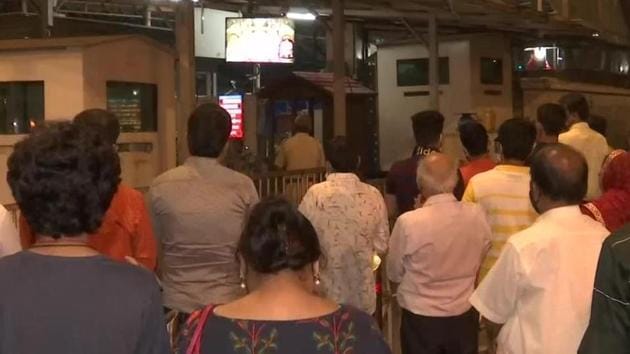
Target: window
491,71
135,105
21,106
415,72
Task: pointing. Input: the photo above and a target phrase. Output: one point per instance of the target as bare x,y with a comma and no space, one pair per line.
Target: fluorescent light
301,16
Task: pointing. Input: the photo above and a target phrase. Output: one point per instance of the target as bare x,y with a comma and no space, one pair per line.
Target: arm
608,330
390,196
153,337
497,295
395,270
322,156
144,242
9,238
381,236
280,158
460,187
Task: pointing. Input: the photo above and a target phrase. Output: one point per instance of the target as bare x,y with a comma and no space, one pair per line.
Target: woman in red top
126,230
613,208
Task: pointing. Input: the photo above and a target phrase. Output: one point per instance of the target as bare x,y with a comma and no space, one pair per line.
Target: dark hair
517,137
103,121
209,128
474,137
341,156
598,124
63,178
576,103
427,127
552,117
278,237
561,173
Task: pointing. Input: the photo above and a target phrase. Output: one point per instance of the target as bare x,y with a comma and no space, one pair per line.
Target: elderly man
540,289
435,255
301,151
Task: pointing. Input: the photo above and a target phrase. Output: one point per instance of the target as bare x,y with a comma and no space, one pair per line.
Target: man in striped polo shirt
503,192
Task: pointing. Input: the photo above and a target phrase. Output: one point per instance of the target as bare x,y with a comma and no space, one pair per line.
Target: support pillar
186,99
339,68
46,13
434,62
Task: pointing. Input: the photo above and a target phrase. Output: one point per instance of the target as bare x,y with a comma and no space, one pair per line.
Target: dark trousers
439,335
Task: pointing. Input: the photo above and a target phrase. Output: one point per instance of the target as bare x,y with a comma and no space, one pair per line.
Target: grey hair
428,181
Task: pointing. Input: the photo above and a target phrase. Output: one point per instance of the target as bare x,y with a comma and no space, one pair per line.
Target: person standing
62,295
401,187
282,313
609,327
474,138
126,230
584,139
551,121
612,208
199,210
435,255
301,151
540,289
352,224
503,192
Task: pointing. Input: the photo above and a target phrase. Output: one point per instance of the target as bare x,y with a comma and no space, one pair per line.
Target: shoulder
619,242
369,338
175,174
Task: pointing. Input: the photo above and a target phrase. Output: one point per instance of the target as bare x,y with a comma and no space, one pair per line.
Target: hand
133,261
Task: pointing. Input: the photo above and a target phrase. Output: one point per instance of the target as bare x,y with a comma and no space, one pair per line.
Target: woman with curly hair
62,296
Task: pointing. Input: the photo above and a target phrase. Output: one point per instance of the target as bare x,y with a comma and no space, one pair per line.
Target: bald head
302,124
561,173
437,174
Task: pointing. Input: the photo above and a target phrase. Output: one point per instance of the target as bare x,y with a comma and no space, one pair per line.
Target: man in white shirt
435,255
581,137
540,289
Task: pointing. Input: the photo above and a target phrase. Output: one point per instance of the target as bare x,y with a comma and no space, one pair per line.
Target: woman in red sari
613,208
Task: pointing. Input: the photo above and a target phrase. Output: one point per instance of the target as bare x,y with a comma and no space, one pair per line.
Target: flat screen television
260,40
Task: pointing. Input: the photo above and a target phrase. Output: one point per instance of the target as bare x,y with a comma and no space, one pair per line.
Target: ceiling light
301,16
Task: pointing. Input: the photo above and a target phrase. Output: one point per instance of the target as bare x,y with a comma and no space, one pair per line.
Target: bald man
301,151
539,291
435,255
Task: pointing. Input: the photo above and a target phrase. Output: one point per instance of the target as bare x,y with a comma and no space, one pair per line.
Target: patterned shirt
346,330
199,211
351,220
503,192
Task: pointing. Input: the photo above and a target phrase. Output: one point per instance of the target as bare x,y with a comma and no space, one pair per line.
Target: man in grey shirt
199,210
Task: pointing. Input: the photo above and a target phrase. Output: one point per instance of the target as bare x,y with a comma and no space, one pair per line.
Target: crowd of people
518,244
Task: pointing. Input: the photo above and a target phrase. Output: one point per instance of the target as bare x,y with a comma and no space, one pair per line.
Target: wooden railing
291,185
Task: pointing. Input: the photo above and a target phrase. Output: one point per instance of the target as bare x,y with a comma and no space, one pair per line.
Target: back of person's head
278,237
561,173
63,178
576,104
103,121
517,137
209,128
303,124
552,117
427,128
474,137
598,124
437,174
341,156
615,173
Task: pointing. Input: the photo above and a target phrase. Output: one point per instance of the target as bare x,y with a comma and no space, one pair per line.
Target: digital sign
234,106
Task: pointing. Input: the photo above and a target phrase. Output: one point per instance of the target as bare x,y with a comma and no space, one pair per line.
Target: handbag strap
202,317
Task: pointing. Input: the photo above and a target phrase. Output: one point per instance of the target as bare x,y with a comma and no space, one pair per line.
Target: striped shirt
503,192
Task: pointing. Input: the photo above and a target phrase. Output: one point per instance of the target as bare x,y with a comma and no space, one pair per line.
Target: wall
395,110
609,102
136,60
61,71
210,32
